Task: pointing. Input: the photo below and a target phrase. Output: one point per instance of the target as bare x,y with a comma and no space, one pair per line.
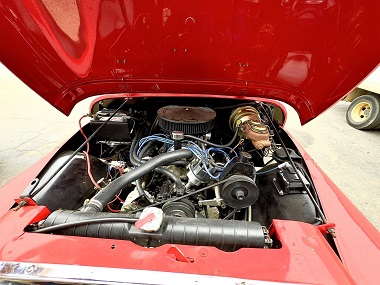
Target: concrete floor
30,128
348,156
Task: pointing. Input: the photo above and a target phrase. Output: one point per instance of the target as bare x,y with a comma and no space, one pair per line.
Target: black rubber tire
364,112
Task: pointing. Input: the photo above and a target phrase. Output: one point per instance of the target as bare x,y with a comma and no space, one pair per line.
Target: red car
185,174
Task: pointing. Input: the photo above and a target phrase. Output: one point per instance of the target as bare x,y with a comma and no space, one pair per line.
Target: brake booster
249,125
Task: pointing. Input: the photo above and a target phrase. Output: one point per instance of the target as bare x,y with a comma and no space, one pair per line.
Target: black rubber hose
143,151
177,181
100,200
135,163
214,144
137,160
132,157
180,163
86,222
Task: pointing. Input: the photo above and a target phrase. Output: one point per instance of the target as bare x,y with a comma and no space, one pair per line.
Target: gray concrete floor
348,156
30,128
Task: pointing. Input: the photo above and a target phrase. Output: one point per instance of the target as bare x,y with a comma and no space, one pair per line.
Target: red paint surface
304,257
358,241
306,53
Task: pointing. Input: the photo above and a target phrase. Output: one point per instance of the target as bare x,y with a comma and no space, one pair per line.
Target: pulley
239,192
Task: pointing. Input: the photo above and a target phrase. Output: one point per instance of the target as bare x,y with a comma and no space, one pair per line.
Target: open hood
308,54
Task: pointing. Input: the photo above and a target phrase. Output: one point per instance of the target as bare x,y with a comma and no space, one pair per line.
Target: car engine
196,172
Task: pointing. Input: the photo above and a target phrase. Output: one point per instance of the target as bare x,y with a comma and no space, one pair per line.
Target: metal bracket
212,202
327,229
24,202
179,255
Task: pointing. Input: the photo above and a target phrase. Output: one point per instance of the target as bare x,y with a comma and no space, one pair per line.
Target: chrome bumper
74,274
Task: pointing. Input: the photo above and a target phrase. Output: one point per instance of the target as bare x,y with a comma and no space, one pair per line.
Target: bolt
203,252
332,232
240,195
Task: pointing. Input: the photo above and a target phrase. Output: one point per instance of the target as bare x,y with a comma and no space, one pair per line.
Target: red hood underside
306,53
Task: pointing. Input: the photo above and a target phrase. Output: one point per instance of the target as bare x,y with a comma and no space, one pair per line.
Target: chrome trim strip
75,274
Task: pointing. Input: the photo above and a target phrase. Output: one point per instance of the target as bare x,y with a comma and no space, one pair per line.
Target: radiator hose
100,200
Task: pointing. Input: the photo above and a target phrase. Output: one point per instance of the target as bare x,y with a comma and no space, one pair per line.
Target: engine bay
212,172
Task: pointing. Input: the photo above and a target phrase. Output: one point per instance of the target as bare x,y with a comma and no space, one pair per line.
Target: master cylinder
249,125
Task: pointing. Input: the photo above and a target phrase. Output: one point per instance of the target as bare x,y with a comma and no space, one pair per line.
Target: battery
117,129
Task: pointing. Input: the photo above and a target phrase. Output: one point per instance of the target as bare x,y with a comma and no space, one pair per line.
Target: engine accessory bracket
211,202
267,239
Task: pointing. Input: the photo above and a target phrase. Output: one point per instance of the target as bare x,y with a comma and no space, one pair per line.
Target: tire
364,112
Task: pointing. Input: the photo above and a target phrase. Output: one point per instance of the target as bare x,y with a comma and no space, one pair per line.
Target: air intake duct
227,235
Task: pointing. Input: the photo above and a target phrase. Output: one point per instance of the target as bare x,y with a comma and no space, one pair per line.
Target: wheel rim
361,112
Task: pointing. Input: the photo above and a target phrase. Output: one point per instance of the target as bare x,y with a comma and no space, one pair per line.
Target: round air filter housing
188,119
